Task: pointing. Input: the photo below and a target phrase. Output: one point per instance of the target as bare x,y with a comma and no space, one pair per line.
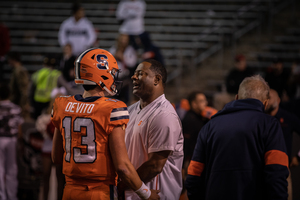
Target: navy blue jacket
240,155
289,123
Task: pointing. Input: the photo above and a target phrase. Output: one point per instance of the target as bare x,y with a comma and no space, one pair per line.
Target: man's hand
154,195
294,162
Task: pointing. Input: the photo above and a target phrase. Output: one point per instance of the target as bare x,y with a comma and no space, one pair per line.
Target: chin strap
106,89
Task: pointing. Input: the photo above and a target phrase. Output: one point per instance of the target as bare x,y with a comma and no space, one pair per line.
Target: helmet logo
102,60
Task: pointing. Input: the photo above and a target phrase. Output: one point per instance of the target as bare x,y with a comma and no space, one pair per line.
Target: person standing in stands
154,138
131,14
19,83
240,153
77,30
126,57
234,78
10,120
65,82
289,123
67,58
277,77
43,82
151,51
237,75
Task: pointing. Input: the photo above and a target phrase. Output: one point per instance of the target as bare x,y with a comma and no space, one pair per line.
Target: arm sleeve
276,163
62,38
121,11
195,181
91,34
163,134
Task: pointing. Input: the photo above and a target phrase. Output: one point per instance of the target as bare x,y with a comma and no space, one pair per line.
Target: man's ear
157,79
266,102
236,97
278,100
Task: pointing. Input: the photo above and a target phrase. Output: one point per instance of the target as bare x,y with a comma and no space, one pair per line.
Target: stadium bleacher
284,47
184,30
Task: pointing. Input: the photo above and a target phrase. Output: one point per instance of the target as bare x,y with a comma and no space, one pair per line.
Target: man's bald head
254,87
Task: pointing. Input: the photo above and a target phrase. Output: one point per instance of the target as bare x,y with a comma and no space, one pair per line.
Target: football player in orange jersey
90,131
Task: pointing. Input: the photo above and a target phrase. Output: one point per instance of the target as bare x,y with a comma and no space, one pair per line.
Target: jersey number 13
87,140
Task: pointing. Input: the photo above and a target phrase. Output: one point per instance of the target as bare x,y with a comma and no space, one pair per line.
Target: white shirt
132,12
81,34
156,128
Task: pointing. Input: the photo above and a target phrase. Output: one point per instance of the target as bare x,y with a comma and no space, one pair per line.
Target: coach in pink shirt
153,136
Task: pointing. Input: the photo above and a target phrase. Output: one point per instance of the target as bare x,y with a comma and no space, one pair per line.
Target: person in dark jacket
237,74
278,76
232,81
192,122
289,123
240,153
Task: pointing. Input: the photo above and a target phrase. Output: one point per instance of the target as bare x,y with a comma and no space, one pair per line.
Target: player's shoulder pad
65,96
58,101
62,98
114,103
118,110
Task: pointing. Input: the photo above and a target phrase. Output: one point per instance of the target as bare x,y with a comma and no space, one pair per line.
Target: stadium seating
184,30
284,47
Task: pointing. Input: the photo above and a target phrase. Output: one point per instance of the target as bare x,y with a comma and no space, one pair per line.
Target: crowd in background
26,101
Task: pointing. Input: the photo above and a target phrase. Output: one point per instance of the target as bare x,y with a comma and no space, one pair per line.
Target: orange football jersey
85,125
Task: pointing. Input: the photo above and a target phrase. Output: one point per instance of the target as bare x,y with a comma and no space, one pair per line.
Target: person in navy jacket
289,124
240,153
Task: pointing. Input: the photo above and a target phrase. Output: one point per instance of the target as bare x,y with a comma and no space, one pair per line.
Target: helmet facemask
116,85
